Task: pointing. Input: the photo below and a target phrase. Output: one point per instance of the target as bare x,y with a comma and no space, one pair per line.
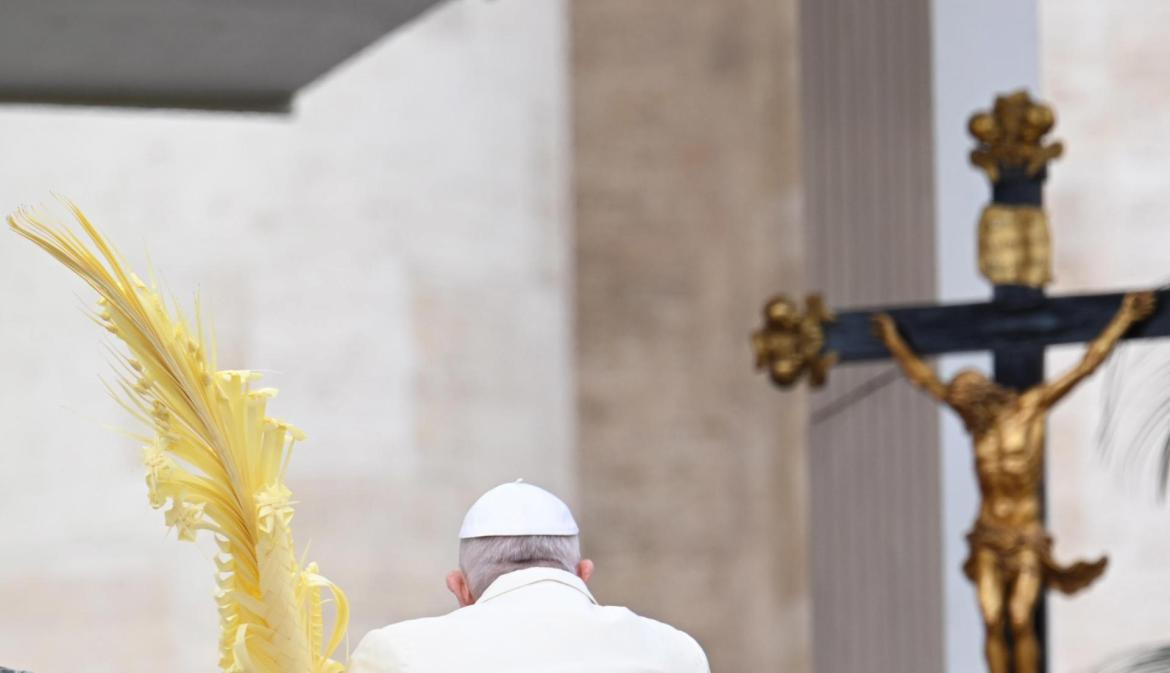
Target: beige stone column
687,184
873,445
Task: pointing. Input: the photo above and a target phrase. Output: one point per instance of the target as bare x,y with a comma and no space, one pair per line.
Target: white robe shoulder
535,620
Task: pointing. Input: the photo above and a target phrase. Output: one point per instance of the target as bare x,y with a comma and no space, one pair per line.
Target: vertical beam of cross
1022,366
1019,185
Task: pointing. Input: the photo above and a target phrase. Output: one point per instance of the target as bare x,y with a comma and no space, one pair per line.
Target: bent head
969,384
512,527
483,560
976,397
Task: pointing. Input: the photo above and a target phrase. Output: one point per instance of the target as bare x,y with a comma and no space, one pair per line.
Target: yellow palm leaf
216,458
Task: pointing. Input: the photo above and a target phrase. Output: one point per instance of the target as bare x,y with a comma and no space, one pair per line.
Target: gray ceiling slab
205,54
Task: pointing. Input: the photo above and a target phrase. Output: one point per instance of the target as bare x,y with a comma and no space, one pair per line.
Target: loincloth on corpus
1009,545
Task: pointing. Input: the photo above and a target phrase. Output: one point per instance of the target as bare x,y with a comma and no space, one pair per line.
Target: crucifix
1011,561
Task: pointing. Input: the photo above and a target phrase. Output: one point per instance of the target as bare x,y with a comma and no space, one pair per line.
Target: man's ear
585,570
457,583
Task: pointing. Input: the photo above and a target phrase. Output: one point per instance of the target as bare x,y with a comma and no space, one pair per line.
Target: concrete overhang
246,55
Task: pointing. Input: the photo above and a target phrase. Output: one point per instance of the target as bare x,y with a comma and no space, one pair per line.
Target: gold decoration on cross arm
1014,245
1012,134
791,342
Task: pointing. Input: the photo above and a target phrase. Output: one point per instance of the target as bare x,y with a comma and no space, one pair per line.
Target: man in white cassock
524,606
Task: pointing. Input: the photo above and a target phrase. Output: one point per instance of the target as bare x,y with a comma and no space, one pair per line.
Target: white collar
518,579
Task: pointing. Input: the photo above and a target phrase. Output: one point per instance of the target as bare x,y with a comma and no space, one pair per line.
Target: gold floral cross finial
792,342
1012,134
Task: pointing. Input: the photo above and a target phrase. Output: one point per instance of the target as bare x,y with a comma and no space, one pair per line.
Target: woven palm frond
215,459
1151,660
1134,435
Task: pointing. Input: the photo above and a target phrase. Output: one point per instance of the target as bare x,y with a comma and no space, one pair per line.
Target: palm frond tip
216,460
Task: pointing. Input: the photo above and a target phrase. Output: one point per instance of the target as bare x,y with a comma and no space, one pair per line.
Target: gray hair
483,559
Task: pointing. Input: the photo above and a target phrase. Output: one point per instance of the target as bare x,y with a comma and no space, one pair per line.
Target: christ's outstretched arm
916,370
1135,307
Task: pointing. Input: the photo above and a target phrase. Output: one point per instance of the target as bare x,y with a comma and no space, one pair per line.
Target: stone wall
394,257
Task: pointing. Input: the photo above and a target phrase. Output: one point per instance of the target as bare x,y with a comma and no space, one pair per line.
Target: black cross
1017,324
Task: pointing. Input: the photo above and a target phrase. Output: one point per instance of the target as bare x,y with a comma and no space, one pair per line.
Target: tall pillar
873,450
687,183
891,208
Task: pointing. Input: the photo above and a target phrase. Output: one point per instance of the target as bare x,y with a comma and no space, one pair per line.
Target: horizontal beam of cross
959,328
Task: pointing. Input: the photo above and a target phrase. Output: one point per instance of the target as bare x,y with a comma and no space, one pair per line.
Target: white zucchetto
517,508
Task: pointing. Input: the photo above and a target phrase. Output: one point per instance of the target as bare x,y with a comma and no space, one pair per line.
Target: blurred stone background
1106,68
394,257
528,238
518,239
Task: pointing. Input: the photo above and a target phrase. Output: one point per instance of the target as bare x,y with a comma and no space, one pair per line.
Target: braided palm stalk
215,457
